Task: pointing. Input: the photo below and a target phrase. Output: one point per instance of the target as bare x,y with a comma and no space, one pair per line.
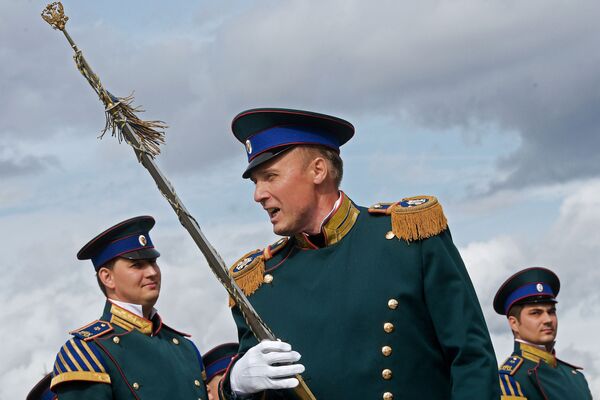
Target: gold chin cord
145,137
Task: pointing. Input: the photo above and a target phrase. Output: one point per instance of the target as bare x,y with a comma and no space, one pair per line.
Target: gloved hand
256,371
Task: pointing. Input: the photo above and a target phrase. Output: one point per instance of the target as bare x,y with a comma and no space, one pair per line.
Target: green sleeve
247,340
83,390
458,321
245,336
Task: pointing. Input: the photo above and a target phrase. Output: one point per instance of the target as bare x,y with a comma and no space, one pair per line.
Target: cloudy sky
490,105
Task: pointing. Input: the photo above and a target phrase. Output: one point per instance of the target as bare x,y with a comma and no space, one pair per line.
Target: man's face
538,323
135,281
285,188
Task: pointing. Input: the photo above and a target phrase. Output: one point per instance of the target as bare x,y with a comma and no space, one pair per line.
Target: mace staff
145,137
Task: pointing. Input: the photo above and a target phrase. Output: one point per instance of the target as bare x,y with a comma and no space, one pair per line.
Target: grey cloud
528,68
13,164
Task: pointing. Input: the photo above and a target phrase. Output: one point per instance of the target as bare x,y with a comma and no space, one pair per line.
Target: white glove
268,365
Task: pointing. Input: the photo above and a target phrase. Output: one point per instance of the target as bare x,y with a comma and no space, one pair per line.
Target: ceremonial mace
145,137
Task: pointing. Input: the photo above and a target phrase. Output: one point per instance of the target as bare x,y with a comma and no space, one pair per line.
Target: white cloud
569,249
525,68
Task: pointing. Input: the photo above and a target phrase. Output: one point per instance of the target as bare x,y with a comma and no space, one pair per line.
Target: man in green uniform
528,299
129,353
377,301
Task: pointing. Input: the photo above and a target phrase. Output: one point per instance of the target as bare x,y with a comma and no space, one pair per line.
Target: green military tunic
124,356
534,374
374,316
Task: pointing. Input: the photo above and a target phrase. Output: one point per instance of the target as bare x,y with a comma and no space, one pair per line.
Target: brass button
197,382
388,396
268,278
574,372
392,304
135,385
388,327
386,351
175,340
389,235
386,374
116,339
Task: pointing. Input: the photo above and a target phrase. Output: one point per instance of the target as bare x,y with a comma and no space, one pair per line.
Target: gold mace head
54,14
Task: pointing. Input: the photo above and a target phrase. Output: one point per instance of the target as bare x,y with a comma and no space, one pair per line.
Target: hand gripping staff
145,138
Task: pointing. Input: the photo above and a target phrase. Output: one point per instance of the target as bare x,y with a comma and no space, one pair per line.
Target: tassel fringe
120,111
150,134
418,222
250,277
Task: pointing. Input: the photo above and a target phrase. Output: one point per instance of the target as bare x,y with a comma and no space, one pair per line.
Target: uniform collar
334,227
534,353
128,316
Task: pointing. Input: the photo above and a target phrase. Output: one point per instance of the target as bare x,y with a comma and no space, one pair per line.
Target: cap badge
248,147
539,287
413,202
142,240
242,264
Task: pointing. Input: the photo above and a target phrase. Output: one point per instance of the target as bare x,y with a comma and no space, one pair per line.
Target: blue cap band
124,245
217,367
287,135
529,290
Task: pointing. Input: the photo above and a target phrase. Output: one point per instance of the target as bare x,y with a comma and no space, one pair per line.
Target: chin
280,231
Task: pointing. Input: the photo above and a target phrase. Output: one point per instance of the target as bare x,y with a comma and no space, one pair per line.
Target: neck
323,207
145,310
543,346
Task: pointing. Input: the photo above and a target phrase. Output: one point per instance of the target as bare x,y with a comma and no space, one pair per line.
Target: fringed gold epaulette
249,270
414,218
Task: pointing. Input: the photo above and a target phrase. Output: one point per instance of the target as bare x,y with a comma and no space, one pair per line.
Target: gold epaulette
79,360
510,388
414,218
249,270
511,365
92,330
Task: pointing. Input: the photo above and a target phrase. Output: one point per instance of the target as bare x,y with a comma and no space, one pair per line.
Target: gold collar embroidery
534,354
339,223
129,321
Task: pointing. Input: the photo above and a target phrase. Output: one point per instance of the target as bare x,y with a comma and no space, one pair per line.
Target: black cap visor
262,158
535,300
142,254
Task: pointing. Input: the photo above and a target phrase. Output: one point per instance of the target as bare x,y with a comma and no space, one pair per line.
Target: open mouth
273,212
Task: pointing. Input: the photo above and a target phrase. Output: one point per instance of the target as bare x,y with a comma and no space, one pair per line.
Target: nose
151,270
260,192
547,318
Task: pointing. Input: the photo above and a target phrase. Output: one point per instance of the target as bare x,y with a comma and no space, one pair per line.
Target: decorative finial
54,14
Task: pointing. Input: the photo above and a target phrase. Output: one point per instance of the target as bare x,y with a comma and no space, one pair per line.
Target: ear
320,170
514,324
106,277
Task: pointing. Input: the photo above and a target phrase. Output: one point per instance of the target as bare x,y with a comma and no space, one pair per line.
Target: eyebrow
541,308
